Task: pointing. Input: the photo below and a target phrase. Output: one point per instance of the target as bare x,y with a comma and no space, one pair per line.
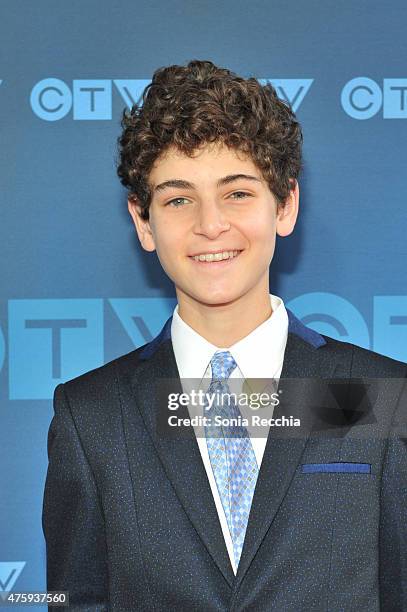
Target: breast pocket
336,468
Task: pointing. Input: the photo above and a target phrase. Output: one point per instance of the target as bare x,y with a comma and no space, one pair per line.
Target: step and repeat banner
76,288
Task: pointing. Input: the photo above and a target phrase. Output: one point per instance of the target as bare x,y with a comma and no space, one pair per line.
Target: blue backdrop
76,288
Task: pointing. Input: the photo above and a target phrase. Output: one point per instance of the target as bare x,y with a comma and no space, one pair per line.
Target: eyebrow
182,184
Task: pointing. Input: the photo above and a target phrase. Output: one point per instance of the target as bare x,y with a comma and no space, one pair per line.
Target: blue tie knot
222,364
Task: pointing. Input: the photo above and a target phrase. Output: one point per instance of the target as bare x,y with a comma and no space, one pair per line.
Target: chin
218,299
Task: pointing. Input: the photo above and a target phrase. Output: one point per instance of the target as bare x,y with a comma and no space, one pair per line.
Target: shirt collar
259,355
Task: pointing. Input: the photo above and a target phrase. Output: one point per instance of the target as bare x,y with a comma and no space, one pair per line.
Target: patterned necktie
232,456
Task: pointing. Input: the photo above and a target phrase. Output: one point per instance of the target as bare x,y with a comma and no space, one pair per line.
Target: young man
135,520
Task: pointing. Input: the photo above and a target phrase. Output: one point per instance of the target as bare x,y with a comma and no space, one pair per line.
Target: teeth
216,256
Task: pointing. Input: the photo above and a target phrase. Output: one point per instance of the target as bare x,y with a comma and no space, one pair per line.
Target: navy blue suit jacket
129,518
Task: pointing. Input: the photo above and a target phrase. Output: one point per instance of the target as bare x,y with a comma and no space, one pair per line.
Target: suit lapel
302,361
181,458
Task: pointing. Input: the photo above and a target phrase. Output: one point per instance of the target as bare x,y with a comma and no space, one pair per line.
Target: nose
210,220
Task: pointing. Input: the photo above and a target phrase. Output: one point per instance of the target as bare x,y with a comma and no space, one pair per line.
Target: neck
225,324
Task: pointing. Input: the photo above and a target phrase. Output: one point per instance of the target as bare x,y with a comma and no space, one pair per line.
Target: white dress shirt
259,355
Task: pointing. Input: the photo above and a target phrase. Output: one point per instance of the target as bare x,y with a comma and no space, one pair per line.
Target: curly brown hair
191,106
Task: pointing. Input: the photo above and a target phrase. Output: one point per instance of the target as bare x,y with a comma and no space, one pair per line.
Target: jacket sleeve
393,515
72,518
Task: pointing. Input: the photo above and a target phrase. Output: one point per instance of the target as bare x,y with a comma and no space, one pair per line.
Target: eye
240,195
176,202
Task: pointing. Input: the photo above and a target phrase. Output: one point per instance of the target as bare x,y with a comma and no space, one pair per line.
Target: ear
287,213
143,228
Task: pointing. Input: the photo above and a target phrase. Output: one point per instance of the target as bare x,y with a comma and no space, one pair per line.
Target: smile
213,257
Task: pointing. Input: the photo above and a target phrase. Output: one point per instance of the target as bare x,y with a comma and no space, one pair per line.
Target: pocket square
349,468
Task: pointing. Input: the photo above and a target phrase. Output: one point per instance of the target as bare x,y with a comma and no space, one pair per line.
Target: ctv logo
292,91
9,573
91,99
52,340
363,98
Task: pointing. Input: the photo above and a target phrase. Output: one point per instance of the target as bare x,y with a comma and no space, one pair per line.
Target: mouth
215,260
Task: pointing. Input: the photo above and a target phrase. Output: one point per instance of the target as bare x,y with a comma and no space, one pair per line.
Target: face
217,205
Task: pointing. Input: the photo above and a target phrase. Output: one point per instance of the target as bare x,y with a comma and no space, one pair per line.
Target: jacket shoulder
364,362
99,381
